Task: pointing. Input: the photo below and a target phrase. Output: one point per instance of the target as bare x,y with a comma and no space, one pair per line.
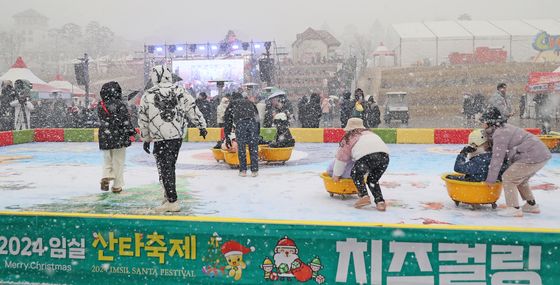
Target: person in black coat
314,110
372,113
346,107
243,114
283,137
302,111
115,131
205,107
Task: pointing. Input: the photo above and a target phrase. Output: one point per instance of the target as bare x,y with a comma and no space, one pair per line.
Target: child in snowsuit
473,160
371,156
115,131
283,136
233,147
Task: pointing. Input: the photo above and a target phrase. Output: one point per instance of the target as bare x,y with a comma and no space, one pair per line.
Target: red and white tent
20,71
543,82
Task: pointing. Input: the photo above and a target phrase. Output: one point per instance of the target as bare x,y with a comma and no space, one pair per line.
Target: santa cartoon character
233,252
288,264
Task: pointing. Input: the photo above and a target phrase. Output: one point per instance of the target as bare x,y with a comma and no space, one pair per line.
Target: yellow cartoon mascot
233,252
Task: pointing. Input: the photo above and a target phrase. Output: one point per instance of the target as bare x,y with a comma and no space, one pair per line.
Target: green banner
85,249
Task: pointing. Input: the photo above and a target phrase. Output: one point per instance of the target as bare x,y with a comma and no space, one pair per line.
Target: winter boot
168,207
243,173
116,189
381,206
362,202
105,184
255,174
533,209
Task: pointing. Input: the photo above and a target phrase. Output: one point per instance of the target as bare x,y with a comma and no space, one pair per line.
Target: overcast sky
208,21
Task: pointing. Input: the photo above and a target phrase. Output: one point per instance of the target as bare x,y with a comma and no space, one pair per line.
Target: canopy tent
66,86
19,70
436,39
543,82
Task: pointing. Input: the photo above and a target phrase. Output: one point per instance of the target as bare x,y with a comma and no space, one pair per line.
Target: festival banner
121,249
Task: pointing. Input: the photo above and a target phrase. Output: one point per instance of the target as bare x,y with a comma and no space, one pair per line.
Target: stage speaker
82,76
266,69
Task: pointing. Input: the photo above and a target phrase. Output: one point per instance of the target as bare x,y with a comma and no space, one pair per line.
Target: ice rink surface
64,177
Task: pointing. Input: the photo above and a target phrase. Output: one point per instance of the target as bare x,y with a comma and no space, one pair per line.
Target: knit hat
233,247
316,261
354,123
492,116
477,137
286,242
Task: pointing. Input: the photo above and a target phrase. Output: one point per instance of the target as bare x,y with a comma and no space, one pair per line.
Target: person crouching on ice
283,136
371,156
473,160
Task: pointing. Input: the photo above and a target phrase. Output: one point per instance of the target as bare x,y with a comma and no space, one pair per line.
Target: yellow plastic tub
282,154
343,187
218,154
232,159
472,192
550,141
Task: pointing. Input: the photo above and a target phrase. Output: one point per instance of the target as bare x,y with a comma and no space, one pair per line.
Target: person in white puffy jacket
165,111
371,157
221,111
22,105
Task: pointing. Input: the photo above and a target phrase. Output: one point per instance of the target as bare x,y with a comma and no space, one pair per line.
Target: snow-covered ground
64,177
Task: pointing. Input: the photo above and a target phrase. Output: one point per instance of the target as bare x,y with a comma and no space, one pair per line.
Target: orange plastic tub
472,192
344,186
232,159
551,142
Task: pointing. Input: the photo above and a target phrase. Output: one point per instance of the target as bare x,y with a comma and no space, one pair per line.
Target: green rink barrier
117,249
24,136
78,135
268,134
387,135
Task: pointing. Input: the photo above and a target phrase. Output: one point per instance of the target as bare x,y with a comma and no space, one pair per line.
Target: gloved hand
147,147
468,149
228,142
203,132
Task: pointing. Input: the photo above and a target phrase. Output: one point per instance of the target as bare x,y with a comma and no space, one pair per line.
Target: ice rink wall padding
78,135
332,135
69,248
415,136
49,135
307,135
214,134
23,136
6,138
451,136
387,135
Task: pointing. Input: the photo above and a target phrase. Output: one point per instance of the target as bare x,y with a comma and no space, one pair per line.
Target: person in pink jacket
525,155
371,157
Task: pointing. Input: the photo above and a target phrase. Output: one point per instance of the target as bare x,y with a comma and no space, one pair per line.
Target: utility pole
86,76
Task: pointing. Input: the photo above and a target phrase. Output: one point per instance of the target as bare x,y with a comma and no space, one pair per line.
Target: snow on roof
447,29
550,26
20,71
413,31
481,29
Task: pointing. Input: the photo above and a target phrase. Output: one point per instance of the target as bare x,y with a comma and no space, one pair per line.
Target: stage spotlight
193,48
180,48
159,49
245,46
172,48
201,47
257,46
151,49
214,47
234,46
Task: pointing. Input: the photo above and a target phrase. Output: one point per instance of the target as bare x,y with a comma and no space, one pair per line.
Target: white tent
20,71
66,86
